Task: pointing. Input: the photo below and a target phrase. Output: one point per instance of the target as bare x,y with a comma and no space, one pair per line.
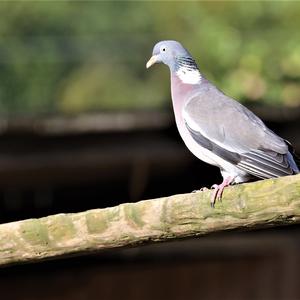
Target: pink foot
218,190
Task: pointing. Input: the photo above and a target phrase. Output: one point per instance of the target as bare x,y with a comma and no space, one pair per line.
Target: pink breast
180,92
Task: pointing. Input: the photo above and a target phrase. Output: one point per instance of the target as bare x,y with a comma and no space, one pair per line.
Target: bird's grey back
227,121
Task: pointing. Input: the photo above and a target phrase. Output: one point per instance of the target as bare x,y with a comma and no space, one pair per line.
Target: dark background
83,125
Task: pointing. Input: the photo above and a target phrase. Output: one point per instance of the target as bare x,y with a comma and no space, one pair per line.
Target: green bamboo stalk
247,206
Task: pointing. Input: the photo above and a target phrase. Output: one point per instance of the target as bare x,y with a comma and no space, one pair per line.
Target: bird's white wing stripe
193,125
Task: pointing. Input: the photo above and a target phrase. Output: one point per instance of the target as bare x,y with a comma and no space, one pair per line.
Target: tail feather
293,158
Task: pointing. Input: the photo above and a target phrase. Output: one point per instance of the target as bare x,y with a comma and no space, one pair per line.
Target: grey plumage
237,135
218,129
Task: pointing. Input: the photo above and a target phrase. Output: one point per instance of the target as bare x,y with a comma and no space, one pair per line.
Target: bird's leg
218,190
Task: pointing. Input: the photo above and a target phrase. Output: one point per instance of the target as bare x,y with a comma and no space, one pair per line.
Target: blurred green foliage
70,57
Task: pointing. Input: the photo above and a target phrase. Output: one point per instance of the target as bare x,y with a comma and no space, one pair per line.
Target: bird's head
168,52
178,59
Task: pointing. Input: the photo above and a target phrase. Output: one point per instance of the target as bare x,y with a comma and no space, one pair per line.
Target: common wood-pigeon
218,129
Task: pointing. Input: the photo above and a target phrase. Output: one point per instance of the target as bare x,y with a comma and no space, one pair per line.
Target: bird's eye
163,49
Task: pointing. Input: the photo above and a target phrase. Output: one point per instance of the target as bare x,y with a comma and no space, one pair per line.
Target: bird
218,129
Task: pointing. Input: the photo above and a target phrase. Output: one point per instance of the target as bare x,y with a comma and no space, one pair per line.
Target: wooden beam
247,206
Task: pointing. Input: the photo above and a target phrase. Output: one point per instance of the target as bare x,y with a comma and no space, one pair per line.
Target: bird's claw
217,194
218,191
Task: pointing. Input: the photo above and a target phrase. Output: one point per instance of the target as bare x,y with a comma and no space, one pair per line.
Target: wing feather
231,131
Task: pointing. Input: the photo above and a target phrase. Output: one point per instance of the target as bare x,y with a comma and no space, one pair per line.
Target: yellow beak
151,61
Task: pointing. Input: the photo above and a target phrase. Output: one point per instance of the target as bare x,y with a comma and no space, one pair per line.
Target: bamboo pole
247,206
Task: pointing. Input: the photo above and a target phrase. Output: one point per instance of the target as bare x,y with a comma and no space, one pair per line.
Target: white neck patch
188,75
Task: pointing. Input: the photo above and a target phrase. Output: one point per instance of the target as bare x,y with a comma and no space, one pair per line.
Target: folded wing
235,134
